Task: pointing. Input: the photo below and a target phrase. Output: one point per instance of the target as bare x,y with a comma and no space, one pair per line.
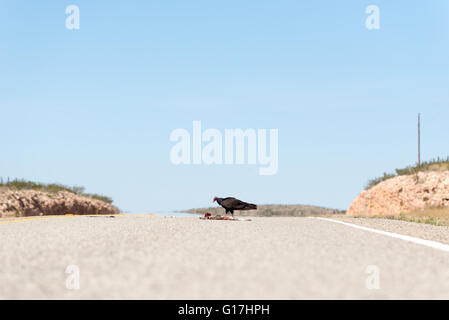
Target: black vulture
230,204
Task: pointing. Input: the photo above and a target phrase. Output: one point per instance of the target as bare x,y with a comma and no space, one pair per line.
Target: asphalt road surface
153,257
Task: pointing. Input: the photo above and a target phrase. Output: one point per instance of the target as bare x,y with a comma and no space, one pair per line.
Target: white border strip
428,243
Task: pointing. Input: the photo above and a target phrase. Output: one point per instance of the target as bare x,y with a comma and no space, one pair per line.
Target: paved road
150,257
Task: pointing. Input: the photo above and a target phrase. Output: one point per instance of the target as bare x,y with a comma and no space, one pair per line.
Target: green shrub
432,165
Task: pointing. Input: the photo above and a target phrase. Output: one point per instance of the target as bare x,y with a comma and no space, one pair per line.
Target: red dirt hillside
37,203
19,198
403,194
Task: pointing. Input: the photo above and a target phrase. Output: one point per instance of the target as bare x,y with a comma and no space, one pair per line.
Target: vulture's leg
232,214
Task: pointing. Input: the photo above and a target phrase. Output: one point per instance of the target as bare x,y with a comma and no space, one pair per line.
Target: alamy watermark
72,282
372,282
372,22
234,146
72,21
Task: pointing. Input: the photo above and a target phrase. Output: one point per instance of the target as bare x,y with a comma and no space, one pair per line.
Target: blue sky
95,106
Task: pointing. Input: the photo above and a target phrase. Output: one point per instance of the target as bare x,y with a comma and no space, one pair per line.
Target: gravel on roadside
414,229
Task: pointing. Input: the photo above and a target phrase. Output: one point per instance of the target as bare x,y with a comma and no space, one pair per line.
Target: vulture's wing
228,202
236,204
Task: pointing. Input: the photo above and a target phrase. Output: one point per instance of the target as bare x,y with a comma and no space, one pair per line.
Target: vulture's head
215,199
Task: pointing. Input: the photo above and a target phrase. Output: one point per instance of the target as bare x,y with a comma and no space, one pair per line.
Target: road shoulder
413,229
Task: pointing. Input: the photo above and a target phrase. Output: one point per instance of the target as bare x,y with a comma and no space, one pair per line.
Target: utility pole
419,139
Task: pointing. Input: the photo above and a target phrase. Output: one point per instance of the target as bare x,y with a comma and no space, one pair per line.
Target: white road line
428,243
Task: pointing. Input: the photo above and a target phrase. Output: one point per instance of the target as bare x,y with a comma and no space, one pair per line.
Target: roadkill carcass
209,216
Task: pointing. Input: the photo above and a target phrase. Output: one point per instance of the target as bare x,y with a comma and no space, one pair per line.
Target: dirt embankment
20,203
403,194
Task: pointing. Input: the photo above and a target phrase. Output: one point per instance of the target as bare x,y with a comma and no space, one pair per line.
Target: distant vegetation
17,184
432,165
274,210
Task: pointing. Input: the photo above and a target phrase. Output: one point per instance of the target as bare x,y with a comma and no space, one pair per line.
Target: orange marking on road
34,219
